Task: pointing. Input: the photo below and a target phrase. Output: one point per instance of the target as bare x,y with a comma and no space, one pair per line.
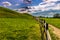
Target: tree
56,15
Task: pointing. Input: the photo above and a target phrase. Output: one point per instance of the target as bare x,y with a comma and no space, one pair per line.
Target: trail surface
55,30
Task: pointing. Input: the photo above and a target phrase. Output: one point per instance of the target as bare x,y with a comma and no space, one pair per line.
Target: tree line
56,15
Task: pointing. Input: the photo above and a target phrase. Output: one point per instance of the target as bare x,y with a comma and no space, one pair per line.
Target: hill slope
24,27
5,12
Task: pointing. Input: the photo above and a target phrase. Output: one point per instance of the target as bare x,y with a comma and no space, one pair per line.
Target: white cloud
45,6
57,7
21,0
50,0
6,3
17,4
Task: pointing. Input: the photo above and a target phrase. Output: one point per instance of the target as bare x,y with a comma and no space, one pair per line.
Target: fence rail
44,29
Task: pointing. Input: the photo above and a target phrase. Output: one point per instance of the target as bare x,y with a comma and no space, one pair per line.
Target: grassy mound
7,13
16,26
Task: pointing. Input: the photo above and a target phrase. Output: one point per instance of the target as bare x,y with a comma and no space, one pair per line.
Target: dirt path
55,30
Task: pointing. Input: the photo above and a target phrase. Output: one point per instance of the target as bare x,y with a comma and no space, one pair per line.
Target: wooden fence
44,29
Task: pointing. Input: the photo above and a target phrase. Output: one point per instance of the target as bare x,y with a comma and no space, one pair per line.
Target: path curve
56,31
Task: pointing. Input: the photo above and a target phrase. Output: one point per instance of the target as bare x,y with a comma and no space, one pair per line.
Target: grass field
53,21
19,29
16,26
53,36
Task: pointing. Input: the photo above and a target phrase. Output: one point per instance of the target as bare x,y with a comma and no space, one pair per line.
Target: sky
47,5
14,4
40,6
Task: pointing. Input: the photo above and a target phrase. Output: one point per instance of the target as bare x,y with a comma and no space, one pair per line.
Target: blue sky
38,6
18,3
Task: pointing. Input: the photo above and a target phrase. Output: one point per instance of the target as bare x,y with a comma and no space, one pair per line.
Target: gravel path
56,31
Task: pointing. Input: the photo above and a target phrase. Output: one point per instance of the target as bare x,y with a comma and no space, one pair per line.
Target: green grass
7,13
53,21
19,29
53,36
16,26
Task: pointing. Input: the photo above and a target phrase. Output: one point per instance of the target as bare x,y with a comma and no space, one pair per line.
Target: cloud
6,3
17,4
49,5
21,0
56,7
50,0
